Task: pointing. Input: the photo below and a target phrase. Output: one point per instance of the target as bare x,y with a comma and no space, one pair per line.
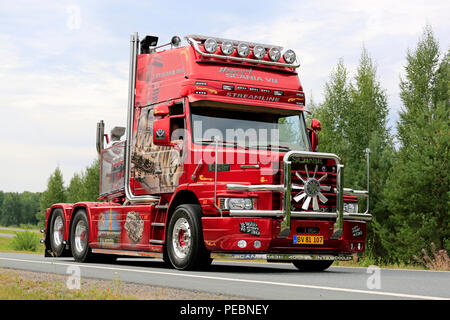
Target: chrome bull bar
287,187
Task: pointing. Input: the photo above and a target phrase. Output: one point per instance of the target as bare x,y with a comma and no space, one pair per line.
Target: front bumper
286,212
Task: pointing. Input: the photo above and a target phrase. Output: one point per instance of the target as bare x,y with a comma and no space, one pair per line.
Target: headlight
259,52
227,48
210,45
351,207
236,203
243,49
274,54
289,56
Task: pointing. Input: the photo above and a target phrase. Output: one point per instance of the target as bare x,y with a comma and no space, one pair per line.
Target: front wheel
184,239
310,266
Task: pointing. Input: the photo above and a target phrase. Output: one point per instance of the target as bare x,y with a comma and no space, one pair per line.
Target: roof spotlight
274,54
210,45
243,49
289,56
227,47
259,52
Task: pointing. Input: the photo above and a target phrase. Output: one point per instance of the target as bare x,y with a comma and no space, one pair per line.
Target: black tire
79,239
312,266
184,239
57,229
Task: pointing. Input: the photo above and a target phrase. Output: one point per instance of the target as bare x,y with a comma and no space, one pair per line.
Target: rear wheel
57,231
79,237
184,239
310,266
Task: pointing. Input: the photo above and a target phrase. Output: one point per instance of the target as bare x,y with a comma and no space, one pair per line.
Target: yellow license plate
308,239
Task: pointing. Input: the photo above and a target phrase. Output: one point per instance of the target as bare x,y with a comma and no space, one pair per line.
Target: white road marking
383,293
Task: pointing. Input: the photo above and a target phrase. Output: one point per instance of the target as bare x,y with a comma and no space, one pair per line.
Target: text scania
247,74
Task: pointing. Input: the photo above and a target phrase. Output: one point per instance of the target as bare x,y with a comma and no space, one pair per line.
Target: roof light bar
227,48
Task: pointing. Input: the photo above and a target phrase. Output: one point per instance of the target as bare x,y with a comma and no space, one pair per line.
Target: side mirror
316,126
161,132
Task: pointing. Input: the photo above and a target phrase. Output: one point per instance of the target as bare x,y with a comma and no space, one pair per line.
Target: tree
55,193
417,193
332,112
91,181
85,186
75,191
354,117
12,209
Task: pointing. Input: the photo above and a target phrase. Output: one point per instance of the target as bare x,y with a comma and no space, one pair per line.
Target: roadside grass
13,245
30,285
54,288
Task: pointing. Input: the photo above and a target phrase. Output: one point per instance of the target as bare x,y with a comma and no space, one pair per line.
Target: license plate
308,239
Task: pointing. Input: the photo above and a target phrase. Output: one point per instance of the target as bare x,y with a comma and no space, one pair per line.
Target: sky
64,64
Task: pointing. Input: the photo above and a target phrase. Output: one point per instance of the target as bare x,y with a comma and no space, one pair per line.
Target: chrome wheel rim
181,238
58,230
80,236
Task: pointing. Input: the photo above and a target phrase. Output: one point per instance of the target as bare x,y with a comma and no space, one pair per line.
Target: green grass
7,245
16,288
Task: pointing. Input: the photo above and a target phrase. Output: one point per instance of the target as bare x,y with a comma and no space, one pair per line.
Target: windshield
249,127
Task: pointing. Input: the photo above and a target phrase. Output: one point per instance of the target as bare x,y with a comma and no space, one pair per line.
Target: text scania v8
217,161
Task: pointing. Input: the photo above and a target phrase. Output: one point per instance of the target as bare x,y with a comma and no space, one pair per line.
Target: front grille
313,169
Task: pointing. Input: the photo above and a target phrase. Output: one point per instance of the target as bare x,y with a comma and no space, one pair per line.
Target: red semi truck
217,161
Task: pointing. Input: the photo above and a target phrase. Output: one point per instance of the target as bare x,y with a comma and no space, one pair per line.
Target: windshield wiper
270,146
233,143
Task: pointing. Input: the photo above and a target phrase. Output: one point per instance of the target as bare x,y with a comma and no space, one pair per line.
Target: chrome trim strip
158,224
249,166
300,214
194,44
339,225
281,256
255,187
356,193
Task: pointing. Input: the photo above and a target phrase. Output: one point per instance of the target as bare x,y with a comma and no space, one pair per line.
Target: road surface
255,280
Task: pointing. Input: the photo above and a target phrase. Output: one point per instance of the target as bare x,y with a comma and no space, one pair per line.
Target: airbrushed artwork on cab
109,229
156,168
134,226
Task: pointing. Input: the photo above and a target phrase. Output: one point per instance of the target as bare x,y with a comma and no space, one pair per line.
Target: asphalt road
255,280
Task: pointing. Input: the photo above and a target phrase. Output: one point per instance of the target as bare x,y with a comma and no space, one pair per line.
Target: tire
79,237
311,266
184,239
57,231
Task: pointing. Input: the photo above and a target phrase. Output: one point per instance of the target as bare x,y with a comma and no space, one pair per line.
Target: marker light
289,56
227,47
210,45
259,52
243,49
274,54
